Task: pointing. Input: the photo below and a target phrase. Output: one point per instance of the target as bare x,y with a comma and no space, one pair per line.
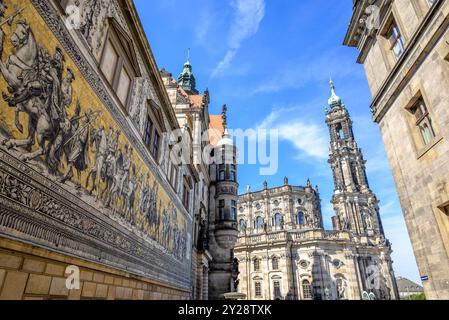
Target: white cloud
203,26
308,70
308,138
248,16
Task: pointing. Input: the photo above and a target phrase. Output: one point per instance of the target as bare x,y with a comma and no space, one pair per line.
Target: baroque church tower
355,204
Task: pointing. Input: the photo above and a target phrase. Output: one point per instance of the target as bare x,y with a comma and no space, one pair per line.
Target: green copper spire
186,79
334,101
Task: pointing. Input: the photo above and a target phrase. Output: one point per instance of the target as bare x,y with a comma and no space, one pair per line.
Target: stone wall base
31,273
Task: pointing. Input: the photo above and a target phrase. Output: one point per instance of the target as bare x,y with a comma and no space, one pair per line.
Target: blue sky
270,62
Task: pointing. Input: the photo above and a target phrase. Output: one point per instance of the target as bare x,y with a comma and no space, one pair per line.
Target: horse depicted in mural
38,89
23,74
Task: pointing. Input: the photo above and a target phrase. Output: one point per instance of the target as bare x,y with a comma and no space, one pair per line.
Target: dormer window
118,62
154,128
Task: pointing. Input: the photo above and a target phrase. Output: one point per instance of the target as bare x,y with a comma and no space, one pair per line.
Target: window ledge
427,148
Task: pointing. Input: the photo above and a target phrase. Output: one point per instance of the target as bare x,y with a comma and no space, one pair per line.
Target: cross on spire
332,87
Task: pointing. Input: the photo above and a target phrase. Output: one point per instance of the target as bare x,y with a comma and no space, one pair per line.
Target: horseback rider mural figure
68,141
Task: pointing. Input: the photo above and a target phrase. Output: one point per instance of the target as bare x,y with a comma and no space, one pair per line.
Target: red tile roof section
216,129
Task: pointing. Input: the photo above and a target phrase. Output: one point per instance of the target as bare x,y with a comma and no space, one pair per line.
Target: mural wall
55,128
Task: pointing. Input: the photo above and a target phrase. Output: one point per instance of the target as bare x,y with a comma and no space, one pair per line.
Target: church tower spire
187,79
355,204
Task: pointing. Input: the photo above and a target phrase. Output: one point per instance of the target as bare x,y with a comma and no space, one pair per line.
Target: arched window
275,263
278,220
340,132
256,264
307,290
258,224
300,218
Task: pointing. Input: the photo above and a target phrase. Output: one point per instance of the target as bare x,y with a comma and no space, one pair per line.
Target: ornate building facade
214,230
283,250
404,47
90,180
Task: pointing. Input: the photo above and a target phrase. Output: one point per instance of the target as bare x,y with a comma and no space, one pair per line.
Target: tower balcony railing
295,236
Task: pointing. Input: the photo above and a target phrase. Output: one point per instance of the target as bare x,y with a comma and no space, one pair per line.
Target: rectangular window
109,62
277,289
233,210
124,87
173,176
258,289
221,207
256,265
395,39
148,131
233,172
155,145
423,121
275,264
186,196
116,67
221,172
